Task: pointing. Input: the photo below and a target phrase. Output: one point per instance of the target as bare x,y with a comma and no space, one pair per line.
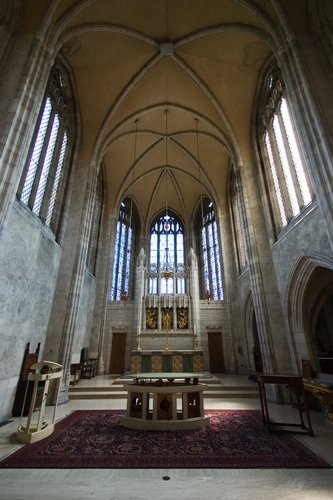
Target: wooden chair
88,363
24,386
76,373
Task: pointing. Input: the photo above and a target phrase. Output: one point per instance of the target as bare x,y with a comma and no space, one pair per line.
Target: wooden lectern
44,371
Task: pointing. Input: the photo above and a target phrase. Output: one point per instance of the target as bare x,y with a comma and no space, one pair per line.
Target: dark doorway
324,336
215,347
118,350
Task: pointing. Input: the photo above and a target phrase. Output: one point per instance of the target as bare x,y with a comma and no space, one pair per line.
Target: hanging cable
166,168
133,169
130,232
199,169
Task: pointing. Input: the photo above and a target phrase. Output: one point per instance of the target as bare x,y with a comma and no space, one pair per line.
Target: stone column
260,306
139,298
194,291
69,332
103,295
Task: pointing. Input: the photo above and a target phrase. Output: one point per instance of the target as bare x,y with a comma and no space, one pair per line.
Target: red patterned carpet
95,439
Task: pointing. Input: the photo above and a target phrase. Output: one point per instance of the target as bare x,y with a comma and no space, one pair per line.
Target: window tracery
209,245
287,180
122,275
43,183
166,274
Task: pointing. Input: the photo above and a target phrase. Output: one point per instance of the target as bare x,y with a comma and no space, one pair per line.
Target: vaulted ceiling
147,70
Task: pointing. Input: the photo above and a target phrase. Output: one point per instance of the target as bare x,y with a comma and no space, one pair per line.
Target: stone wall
29,260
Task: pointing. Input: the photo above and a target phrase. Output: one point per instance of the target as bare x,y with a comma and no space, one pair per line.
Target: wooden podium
44,371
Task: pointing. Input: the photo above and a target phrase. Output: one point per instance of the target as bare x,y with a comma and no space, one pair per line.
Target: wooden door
118,350
215,347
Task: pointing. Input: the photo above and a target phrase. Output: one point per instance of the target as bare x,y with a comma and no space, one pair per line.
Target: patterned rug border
290,453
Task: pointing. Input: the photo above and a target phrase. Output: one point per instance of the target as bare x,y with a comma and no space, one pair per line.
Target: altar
163,403
171,361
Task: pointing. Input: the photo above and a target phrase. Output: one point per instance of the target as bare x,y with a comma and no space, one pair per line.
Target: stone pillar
103,294
260,306
139,298
194,291
69,332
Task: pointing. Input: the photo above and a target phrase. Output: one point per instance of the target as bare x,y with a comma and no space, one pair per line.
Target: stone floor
173,484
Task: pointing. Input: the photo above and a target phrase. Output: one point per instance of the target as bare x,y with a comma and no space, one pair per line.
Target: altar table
153,404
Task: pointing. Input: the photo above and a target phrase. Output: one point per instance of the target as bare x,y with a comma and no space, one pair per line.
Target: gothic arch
310,285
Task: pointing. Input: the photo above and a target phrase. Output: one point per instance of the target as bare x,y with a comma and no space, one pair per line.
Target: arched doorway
322,330
310,312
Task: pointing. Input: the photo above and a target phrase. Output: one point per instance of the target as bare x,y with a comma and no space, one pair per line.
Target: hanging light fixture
125,293
207,293
167,266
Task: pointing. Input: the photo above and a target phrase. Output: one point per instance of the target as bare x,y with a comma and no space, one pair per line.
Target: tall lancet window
237,217
210,252
286,176
123,263
166,273
95,225
43,183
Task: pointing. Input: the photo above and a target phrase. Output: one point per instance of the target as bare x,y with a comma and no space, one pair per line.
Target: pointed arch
301,301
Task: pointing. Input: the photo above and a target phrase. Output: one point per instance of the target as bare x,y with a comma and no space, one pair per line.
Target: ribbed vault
133,60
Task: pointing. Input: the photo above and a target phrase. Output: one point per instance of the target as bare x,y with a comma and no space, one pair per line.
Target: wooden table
296,385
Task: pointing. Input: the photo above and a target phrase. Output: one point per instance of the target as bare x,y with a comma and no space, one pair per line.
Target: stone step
217,391
231,394
97,395
120,387
113,388
123,395
98,388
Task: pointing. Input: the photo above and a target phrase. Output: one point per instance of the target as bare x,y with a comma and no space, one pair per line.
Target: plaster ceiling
135,59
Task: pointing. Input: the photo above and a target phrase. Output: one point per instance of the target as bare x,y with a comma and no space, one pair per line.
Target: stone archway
322,326
310,300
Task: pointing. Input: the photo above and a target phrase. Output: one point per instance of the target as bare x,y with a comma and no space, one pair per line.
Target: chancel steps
102,388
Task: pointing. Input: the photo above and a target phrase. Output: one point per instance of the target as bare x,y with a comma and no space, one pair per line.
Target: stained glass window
122,275
166,256
95,225
286,174
211,269
237,221
42,186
